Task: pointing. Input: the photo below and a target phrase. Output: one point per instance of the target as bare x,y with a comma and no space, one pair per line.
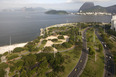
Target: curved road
109,64
83,59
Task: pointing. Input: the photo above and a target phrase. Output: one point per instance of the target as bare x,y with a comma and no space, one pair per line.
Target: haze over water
25,26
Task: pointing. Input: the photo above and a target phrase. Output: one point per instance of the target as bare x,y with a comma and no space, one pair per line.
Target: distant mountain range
90,7
40,9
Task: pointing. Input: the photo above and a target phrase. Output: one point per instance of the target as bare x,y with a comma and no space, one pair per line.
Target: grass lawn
42,45
71,60
94,68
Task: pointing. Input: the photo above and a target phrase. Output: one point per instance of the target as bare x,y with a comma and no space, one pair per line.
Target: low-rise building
113,22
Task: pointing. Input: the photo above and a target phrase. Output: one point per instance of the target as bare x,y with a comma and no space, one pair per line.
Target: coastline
8,48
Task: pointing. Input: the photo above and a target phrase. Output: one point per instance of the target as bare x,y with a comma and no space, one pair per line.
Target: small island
56,12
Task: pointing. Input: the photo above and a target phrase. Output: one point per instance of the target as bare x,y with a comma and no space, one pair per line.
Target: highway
76,72
109,64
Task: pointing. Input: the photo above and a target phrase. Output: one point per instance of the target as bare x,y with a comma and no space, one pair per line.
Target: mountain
89,7
40,9
111,9
86,5
95,9
56,12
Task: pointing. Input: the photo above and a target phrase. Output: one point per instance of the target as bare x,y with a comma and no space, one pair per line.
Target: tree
30,46
44,41
110,45
51,74
23,73
13,56
6,53
66,45
18,49
100,48
29,61
61,37
48,49
54,40
91,51
2,72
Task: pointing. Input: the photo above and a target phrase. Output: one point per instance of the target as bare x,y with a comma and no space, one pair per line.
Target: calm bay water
25,26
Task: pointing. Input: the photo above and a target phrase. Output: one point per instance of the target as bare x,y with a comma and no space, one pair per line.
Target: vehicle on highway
105,46
75,69
110,57
82,37
80,60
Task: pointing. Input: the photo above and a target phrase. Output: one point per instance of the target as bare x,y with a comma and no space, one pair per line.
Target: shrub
48,49
54,40
58,46
100,48
12,56
18,49
60,37
91,51
66,45
44,41
110,45
6,53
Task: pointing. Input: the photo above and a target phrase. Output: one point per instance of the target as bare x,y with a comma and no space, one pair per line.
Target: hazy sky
53,4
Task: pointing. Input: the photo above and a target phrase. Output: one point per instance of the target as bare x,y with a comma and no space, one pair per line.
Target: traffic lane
109,65
79,66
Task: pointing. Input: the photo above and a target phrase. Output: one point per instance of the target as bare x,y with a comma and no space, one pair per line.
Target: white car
110,57
105,45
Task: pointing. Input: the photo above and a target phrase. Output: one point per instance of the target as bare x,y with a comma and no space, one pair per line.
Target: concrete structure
113,22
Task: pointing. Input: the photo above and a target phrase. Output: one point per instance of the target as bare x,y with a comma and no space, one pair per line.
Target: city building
113,22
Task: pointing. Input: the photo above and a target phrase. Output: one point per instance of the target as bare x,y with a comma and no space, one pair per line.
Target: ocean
25,26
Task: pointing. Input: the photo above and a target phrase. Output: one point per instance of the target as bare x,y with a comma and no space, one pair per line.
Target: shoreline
8,48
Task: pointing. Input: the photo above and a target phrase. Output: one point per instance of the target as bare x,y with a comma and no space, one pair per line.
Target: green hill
56,12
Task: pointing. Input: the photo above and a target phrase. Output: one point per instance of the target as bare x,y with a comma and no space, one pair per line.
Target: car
75,69
105,46
82,37
80,60
110,57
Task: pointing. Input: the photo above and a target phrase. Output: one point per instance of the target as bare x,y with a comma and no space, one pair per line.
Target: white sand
4,49
50,43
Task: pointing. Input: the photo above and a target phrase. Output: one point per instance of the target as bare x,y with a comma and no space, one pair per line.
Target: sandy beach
7,48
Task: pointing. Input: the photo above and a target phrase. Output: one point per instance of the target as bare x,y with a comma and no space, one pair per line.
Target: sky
52,4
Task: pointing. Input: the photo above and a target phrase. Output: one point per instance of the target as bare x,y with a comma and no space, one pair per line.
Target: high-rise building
113,22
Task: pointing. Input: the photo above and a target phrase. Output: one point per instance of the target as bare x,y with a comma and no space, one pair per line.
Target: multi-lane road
109,64
83,59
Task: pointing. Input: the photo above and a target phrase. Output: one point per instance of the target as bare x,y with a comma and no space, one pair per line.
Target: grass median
94,67
71,59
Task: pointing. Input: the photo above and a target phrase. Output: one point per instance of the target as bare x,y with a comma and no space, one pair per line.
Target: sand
50,43
4,49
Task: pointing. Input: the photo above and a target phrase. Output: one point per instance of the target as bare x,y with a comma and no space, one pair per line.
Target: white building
113,22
